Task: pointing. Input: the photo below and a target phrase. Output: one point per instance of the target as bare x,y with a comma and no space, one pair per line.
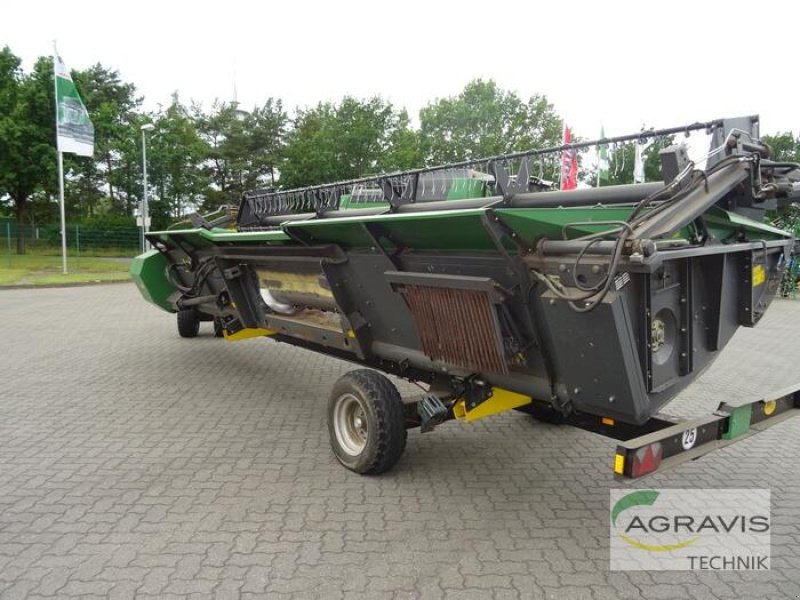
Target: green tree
267,126
403,150
784,146
244,149
223,131
112,105
485,120
127,174
352,139
175,155
27,134
361,131
310,153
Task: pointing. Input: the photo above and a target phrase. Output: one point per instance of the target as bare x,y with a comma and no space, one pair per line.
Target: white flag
74,129
602,159
638,165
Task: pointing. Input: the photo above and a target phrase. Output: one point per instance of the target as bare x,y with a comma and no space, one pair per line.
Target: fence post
8,237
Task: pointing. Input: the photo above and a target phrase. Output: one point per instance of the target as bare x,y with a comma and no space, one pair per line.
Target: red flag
569,164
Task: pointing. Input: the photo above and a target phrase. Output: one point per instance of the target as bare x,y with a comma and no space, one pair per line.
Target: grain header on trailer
594,307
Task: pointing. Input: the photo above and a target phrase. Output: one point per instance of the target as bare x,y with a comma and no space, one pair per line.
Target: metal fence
82,239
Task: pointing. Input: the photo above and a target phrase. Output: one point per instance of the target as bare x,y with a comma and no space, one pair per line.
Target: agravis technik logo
684,529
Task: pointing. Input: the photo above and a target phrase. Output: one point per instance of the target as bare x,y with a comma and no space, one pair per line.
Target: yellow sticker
759,275
619,464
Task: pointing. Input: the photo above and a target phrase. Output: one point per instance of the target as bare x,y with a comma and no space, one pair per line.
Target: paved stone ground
136,463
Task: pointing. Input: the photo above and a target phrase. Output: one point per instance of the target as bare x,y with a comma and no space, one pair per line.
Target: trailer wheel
366,422
188,323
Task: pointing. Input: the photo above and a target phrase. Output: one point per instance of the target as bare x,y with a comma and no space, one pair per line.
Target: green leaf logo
644,498
638,498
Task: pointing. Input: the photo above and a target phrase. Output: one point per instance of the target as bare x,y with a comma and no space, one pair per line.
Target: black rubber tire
188,323
219,330
383,410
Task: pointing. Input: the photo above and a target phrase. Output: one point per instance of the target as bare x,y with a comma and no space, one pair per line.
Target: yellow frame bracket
500,401
247,333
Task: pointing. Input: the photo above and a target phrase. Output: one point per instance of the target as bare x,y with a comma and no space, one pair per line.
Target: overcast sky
622,64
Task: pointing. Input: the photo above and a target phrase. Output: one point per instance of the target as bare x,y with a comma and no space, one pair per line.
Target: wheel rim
350,424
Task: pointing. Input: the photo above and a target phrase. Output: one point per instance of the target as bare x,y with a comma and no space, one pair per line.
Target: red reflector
647,459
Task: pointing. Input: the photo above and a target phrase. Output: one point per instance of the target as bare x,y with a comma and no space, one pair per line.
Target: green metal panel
193,237
534,223
447,229
149,273
346,202
464,189
723,224
738,422
436,230
203,238
452,229
458,229
244,237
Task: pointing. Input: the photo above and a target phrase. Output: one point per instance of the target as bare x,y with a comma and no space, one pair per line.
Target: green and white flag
75,132
602,163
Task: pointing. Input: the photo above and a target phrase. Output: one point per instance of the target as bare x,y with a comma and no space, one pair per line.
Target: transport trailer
494,292
672,443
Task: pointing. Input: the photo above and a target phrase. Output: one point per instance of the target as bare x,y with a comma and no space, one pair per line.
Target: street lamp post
145,208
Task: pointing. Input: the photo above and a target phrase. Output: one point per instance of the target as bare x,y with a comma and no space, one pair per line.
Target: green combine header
476,280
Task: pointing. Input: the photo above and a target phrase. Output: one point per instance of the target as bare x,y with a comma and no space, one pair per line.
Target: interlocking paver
134,463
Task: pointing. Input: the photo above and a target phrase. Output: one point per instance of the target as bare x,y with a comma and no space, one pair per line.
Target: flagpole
599,158
598,167
561,158
61,206
60,168
602,158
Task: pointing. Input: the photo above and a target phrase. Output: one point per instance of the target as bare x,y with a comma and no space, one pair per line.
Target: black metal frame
706,433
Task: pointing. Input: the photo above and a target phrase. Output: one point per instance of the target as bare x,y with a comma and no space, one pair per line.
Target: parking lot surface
134,463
